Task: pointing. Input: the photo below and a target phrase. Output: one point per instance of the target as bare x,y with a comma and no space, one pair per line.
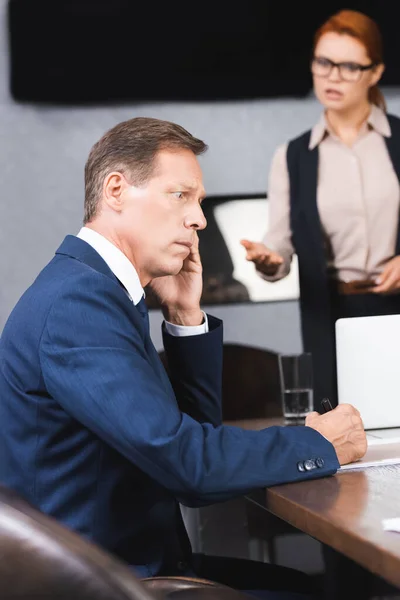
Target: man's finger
347,408
311,416
195,242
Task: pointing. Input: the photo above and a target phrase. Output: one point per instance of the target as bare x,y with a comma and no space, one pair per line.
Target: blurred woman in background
334,196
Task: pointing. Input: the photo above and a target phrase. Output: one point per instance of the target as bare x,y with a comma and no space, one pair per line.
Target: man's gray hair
131,148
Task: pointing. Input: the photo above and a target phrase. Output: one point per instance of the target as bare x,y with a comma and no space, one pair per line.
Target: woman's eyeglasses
348,71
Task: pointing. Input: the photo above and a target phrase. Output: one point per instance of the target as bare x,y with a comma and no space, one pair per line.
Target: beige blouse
358,198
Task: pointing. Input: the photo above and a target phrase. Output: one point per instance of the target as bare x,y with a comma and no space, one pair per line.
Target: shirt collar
116,260
318,132
377,120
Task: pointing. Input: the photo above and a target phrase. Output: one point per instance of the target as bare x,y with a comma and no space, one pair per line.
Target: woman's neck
346,125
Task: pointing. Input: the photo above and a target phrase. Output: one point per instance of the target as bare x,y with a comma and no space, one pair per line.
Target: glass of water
296,377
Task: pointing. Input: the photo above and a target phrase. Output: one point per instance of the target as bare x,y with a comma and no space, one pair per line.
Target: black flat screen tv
102,51
96,51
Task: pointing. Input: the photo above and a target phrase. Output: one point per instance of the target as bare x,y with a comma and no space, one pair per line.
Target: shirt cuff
186,330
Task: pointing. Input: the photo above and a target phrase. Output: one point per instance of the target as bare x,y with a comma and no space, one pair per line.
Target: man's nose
196,220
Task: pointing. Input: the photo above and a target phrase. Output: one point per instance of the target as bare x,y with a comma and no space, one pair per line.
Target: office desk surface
344,511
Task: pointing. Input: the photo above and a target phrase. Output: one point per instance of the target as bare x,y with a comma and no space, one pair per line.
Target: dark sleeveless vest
308,242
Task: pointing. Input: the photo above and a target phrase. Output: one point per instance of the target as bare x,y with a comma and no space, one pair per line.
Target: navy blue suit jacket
93,432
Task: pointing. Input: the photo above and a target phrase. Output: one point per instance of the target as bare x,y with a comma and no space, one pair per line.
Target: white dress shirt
124,270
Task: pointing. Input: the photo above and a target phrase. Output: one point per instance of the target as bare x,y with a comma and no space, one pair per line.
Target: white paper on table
391,524
379,453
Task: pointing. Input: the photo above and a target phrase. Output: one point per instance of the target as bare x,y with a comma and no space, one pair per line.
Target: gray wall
42,154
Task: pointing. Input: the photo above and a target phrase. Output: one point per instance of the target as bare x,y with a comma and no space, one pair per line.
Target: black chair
43,560
250,383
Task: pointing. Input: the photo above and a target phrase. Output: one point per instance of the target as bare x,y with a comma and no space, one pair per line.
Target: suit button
320,462
181,565
309,465
301,467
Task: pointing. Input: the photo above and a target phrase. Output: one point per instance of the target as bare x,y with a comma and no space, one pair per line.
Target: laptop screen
368,368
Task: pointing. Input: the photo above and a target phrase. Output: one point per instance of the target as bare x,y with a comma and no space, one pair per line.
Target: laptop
368,371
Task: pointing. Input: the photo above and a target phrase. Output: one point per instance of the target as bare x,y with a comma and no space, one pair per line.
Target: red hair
365,30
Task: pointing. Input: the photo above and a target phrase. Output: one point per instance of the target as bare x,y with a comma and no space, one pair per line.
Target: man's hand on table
343,427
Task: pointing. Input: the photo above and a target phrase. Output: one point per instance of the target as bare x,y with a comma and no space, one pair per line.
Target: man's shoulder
64,272
62,280
71,282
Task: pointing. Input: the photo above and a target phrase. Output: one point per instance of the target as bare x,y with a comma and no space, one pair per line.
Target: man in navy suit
93,431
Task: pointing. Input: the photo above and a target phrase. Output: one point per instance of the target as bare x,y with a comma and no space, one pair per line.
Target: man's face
159,220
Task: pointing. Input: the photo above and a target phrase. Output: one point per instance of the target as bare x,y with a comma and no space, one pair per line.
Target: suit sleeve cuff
185,330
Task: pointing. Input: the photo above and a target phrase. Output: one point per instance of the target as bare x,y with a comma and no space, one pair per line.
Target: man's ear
113,188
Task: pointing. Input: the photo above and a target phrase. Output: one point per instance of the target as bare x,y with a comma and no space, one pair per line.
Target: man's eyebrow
188,187
185,185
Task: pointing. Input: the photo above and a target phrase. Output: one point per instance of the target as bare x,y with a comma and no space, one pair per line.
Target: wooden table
344,511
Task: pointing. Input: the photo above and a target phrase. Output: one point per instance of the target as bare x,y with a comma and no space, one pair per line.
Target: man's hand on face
179,295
